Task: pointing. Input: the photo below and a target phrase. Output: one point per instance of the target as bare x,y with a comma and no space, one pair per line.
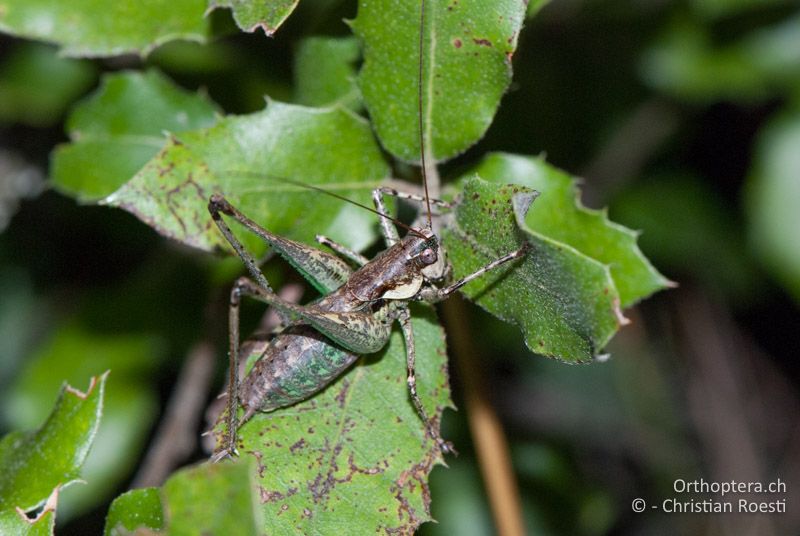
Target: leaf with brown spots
559,215
245,157
119,128
565,303
468,44
355,458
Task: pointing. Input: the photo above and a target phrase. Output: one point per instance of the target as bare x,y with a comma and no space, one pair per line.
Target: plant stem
176,437
490,442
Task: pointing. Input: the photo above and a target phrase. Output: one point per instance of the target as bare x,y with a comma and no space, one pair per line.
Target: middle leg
344,251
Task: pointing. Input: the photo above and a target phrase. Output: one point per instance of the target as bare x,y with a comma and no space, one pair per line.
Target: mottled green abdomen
295,365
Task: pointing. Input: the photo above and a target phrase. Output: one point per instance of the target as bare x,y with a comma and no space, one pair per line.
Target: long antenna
420,108
301,184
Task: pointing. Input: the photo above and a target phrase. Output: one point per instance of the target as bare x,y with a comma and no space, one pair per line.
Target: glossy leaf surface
37,86
565,303
325,72
245,158
129,409
135,509
468,44
120,128
33,465
773,196
212,499
105,28
250,15
559,215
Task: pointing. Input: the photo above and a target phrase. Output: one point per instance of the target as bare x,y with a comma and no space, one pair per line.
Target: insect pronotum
357,310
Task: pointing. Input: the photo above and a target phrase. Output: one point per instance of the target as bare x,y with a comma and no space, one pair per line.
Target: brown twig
176,437
628,149
487,432
733,394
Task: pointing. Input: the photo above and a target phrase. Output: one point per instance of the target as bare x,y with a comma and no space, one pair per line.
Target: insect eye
428,256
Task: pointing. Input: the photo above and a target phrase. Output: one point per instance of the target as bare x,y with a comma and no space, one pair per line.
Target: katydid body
354,316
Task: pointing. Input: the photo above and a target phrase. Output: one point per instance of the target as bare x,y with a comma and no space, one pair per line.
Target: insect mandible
356,312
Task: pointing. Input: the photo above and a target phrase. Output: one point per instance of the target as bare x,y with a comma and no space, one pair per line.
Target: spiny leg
217,206
389,231
229,448
411,356
377,196
436,294
344,251
358,331
324,271
242,287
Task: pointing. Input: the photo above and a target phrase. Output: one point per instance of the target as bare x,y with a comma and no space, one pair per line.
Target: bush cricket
357,309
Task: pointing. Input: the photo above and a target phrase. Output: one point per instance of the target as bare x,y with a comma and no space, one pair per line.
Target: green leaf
36,85
204,499
467,60
565,303
213,499
534,7
135,509
250,15
460,507
772,199
686,63
117,130
245,158
355,457
187,58
130,406
16,522
324,72
559,215
105,28
33,464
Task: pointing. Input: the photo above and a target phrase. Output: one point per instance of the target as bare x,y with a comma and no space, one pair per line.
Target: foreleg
390,233
433,294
